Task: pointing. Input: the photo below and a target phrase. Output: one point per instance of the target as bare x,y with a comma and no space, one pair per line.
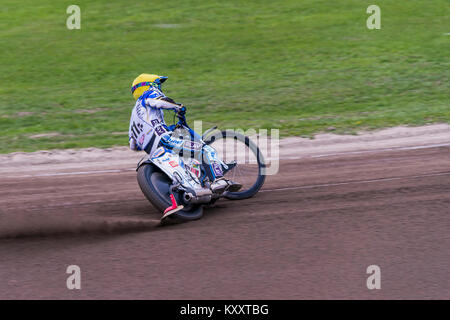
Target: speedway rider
148,130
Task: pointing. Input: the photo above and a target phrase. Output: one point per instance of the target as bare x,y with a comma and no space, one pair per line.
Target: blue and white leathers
148,131
147,120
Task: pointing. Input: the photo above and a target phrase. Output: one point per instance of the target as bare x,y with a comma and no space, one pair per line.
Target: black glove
182,110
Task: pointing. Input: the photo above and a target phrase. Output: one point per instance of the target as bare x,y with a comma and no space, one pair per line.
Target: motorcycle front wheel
245,161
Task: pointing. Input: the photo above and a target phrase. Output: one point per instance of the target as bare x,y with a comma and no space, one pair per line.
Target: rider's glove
182,110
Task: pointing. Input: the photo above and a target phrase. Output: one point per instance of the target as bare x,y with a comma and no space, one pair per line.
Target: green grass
298,66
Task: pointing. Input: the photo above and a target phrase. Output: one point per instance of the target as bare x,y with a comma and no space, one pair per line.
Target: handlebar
181,117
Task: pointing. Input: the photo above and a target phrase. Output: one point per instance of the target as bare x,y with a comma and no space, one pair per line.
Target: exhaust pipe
187,197
204,197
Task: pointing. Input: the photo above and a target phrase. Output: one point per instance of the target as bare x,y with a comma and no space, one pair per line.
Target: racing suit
148,131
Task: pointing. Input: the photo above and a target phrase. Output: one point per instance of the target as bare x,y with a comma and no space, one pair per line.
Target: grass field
299,66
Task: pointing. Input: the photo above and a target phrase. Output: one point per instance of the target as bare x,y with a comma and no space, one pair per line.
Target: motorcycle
172,179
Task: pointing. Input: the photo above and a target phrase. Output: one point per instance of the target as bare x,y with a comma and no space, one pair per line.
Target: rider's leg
214,171
170,143
208,156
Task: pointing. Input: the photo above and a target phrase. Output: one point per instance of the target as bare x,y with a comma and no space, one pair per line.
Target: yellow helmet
144,81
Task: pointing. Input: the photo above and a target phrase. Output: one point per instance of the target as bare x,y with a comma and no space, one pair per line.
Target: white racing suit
148,131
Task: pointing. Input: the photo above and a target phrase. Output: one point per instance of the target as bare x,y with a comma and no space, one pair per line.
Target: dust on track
45,226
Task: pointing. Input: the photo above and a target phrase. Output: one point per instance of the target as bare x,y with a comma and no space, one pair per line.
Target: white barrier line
281,158
362,152
383,150
356,182
75,173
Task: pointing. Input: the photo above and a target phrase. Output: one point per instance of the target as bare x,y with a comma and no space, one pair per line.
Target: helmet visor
159,81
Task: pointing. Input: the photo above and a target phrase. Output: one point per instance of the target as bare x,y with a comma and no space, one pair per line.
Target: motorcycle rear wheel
155,186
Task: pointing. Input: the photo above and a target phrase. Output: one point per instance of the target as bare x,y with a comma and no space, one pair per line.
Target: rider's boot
220,185
172,209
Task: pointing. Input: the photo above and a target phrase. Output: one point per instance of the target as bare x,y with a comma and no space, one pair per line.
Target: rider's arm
163,103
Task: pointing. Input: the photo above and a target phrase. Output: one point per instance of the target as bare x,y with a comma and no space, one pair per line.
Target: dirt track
311,233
